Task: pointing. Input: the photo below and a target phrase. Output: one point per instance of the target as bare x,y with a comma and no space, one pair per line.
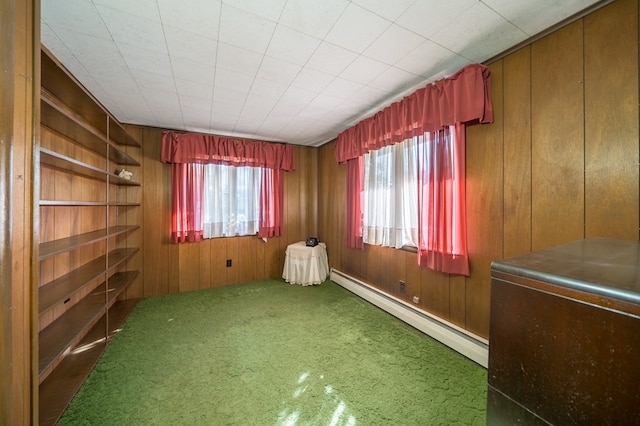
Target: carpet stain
271,353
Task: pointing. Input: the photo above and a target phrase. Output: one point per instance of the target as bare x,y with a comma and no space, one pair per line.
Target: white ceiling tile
271,9
245,30
145,60
369,96
312,80
195,16
227,109
95,53
424,58
485,32
313,17
341,88
257,103
533,17
134,30
233,80
194,120
426,17
155,97
331,59
193,47
193,71
274,123
228,96
298,96
363,70
151,80
394,80
393,44
268,89
291,45
390,10
279,71
357,28
194,89
195,102
80,16
236,59
147,9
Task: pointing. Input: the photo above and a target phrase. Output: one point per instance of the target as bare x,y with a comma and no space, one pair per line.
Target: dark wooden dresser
564,340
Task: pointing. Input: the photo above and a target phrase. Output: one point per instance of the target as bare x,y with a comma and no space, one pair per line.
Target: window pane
231,202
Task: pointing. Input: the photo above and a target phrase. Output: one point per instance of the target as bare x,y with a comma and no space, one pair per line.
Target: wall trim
462,341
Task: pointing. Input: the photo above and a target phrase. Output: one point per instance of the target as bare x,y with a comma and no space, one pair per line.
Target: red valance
461,98
209,149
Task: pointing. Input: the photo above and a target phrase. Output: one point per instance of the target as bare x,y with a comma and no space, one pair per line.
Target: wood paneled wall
19,27
559,163
172,268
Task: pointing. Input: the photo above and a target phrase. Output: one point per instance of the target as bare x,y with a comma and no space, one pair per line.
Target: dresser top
603,266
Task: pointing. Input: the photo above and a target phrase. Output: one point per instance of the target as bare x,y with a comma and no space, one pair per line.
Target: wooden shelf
65,203
57,391
120,136
61,289
56,80
58,118
62,162
51,248
66,331
118,283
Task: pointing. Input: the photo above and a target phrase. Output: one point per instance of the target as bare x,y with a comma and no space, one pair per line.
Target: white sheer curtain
231,200
390,210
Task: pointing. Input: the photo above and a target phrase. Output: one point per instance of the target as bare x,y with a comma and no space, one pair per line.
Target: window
390,213
413,195
231,201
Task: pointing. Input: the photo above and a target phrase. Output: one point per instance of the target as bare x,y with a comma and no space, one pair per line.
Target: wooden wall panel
19,53
435,291
217,262
161,258
484,211
557,118
611,122
331,204
517,152
189,266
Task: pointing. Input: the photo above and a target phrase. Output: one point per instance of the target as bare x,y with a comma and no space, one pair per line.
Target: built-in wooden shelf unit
85,225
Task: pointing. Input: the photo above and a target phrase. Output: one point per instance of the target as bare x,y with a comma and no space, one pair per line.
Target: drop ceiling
295,71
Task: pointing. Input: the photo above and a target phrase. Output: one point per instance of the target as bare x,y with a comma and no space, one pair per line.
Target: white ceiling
296,71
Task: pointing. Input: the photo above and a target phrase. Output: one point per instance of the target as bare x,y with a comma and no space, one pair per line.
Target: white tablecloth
305,265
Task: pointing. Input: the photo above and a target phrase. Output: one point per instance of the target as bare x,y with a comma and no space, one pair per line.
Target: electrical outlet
402,286
416,299
228,263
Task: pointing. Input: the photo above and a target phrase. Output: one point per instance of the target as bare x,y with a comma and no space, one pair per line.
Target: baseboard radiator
458,339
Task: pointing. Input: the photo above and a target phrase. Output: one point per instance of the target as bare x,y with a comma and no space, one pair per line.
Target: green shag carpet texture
271,353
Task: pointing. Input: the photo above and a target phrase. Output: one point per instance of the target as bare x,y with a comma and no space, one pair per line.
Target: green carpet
271,353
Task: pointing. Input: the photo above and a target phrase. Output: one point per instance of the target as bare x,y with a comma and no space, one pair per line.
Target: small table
305,265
